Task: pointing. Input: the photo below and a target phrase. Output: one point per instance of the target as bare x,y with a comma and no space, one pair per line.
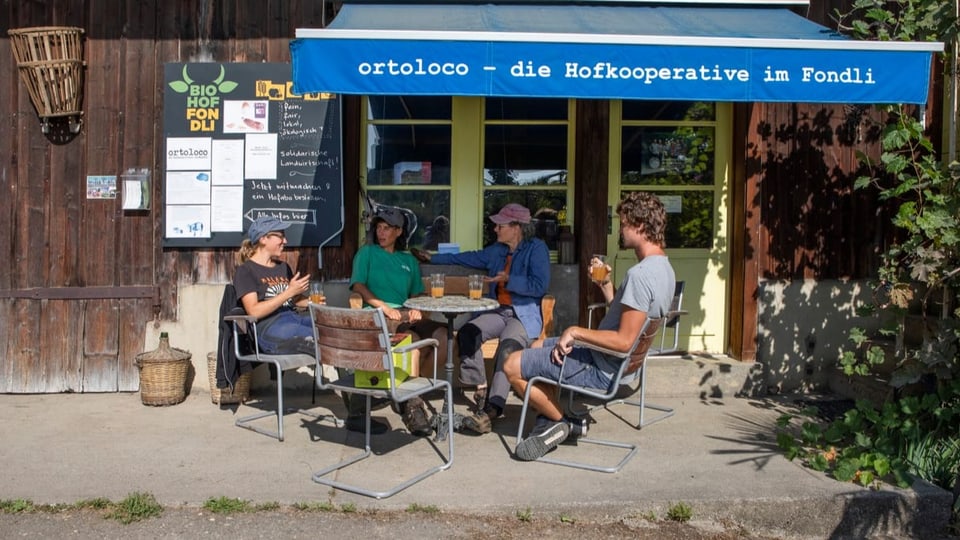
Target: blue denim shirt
528,281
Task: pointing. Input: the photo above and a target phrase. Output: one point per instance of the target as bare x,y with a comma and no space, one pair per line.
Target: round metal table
451,307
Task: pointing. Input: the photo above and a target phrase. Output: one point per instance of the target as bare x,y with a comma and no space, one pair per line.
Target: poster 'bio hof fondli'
239,144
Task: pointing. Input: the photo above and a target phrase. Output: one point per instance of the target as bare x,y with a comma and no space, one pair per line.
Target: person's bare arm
371,299
631,322
260,309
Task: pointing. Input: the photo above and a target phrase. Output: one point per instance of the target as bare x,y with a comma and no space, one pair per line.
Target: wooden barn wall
68,318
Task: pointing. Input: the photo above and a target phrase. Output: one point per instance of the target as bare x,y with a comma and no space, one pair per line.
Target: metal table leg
440,420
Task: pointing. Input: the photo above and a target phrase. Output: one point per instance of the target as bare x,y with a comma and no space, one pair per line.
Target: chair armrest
245,318
604,350
419,344
242,321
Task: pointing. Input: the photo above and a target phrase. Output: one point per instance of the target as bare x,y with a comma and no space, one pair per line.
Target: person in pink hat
518,273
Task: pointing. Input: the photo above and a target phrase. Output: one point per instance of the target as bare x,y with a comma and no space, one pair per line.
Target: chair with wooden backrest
246,343
359,339
632,363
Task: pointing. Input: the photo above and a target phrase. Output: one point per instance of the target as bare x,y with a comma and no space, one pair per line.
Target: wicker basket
50,61
223,396
163,374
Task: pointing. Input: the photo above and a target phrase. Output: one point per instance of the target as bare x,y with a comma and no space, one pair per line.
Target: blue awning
674,52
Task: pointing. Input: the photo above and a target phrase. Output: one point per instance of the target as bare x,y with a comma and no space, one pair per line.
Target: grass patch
525,515
99,503
348,508
16,506
136,507
680,512
325,506
226,505
423,509
267,506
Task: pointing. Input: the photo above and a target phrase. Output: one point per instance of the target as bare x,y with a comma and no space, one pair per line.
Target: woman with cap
269,290
518,271
385,275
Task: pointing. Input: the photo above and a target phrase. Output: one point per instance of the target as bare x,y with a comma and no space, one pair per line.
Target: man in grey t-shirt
646,292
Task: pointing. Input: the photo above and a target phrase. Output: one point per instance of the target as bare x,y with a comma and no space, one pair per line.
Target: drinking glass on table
436,285
316,292
475,286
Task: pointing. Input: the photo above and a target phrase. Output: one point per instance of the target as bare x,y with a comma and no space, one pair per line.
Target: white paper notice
673,204
132,195
188,153
261,156
227,165
188,187
246,116
226,208
188,221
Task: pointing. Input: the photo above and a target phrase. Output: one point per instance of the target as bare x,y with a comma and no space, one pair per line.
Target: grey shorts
580,370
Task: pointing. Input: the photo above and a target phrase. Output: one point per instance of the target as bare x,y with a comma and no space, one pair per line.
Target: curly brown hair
645,210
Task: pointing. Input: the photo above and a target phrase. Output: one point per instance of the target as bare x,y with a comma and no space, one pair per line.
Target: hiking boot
416,419
478,422
544,438
480,399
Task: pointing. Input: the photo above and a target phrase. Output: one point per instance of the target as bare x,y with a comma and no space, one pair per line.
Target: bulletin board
239,144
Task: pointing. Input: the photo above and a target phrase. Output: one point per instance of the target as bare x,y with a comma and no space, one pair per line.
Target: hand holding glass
316,292
598,268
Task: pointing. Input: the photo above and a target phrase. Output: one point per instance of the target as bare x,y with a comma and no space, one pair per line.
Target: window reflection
667,156
669,110
526,109
525,155
409,107
432,208
408,154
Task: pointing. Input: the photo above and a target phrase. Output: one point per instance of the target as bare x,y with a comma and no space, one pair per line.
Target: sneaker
578,427
478,422
356,424
416,419
542,440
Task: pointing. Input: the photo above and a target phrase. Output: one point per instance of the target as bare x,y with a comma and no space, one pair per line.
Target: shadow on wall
814,226
803,329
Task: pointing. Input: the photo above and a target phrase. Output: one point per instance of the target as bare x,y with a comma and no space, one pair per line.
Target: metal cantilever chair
247,348
671,322
632,363
359,339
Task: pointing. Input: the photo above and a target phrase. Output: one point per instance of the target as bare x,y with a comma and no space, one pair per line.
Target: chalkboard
238,144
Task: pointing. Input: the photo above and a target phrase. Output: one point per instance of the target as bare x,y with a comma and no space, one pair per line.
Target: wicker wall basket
163,375
50,61
223,396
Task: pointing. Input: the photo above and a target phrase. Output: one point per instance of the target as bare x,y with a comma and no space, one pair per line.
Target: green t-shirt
391,277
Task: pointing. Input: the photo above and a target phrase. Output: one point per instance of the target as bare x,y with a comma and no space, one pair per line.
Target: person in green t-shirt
385,275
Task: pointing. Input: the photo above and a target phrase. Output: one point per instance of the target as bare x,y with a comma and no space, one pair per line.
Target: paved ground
717,456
